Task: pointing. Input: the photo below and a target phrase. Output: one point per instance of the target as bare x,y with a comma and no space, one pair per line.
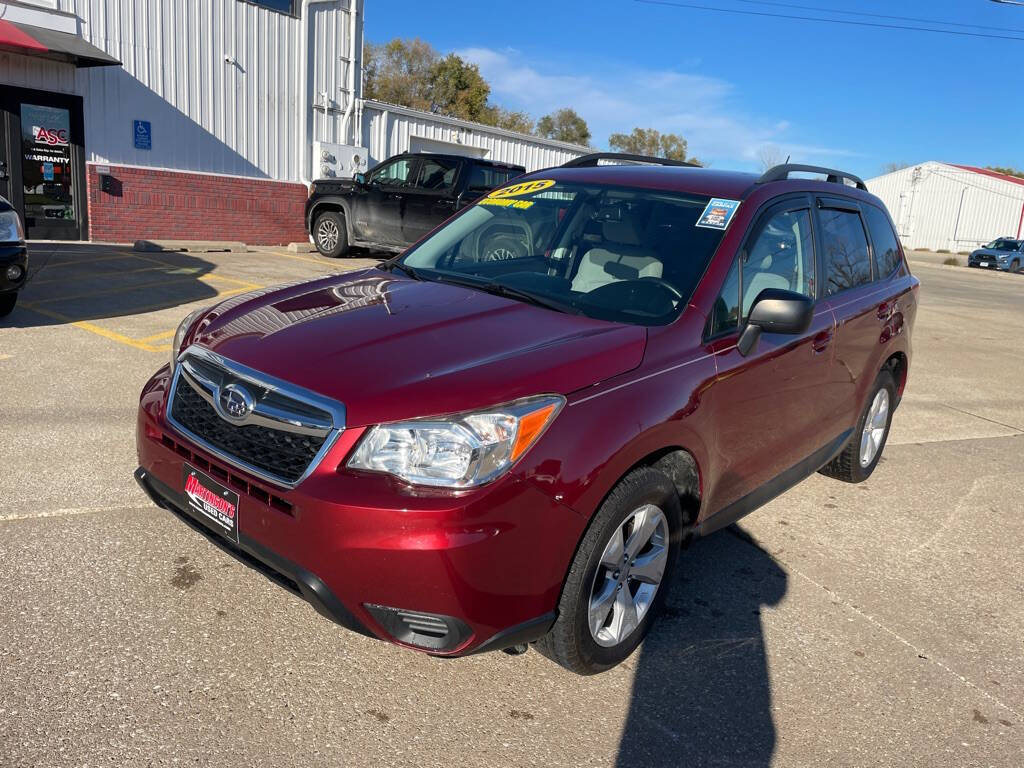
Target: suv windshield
1002,244
621,254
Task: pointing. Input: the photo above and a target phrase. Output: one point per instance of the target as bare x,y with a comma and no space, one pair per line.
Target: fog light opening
15,273
429,631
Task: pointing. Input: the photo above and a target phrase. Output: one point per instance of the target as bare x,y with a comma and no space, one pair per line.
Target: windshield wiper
388,266
507,291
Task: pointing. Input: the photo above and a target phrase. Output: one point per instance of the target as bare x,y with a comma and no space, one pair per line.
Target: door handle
821,341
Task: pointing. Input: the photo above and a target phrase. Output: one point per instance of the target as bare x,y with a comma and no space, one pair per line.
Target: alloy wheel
327,235
874,427
628,576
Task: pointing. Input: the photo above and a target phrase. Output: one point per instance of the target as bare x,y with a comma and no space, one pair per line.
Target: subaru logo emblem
235,403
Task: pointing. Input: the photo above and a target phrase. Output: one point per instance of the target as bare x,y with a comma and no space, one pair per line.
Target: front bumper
367,552
989,262
13,255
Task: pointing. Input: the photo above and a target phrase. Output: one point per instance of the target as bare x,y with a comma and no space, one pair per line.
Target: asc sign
50,136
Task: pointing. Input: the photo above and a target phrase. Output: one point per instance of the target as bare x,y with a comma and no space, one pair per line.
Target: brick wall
170,205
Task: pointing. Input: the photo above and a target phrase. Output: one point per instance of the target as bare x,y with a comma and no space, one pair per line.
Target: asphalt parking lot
841,625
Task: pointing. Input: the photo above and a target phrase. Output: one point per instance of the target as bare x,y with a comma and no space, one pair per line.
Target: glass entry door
42,149
47,178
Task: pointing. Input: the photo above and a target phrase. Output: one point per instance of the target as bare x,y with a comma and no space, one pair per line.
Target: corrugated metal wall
387,130
219,80
937,206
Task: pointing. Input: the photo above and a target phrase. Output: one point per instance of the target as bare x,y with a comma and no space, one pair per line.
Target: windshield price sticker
718,213
522,188
505,203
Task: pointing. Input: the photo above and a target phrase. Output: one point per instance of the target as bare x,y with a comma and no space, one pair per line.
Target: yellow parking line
302,258
244,283
93,328
143,343
187,270
155,284
158,336
73,261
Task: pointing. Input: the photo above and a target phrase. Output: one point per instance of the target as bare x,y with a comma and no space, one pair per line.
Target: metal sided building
939,206
199,119
129,119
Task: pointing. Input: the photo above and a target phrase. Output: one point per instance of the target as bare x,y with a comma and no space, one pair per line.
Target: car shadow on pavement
701,693
85,281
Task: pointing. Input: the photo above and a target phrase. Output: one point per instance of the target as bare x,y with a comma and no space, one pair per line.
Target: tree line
412,73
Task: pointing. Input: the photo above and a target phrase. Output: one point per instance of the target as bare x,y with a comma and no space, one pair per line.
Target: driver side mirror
775,311
360,179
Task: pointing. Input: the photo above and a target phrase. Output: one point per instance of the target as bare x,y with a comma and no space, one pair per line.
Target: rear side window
845,246
887,249
436,174
484,178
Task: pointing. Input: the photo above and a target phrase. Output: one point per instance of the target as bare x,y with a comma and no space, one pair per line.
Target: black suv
399,201
13,257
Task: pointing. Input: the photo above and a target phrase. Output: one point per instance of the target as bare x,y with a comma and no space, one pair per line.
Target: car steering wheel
663,283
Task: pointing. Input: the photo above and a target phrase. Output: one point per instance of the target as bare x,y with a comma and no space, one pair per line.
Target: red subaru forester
504,435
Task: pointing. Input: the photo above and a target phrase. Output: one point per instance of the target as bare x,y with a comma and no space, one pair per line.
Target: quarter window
845,245
887,249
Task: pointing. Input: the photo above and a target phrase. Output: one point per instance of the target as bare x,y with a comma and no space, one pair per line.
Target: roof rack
781,173
591,160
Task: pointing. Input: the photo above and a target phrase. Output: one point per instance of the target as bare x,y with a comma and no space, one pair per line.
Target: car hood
390,347
991,252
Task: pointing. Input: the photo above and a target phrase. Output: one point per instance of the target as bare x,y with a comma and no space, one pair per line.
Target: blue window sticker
143,133
47,171
718,213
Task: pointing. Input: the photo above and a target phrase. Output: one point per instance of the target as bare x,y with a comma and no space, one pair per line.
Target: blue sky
852,97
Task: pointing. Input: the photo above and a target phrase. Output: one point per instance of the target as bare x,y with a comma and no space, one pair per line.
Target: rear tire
7,302
330,235
639,527
861,455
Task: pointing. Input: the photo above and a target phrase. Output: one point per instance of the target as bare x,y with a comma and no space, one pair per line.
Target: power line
847,22
882,15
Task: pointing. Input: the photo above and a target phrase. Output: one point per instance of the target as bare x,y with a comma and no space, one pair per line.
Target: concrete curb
190,246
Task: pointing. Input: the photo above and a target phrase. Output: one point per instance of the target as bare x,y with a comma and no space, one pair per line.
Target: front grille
281,435
276,452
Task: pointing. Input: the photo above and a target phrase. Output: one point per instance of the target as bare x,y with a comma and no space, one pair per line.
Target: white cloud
701,108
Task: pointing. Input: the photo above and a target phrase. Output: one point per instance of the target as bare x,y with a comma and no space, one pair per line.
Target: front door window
46,167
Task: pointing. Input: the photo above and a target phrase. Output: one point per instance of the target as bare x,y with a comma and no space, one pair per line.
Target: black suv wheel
330,235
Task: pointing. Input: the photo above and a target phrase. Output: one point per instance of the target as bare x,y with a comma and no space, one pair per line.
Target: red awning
61,46
15,38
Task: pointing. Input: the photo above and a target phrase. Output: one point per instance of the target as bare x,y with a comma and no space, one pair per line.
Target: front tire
619,577
7,302
330,234
862,454
1015,266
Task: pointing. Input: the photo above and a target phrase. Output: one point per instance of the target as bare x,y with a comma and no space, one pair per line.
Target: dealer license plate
983,263
212,501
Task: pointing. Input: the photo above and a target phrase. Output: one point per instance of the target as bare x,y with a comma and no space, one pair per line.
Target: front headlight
179,336
457,452
10,227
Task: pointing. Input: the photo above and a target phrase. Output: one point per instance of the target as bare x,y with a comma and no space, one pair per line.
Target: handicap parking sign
143,134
